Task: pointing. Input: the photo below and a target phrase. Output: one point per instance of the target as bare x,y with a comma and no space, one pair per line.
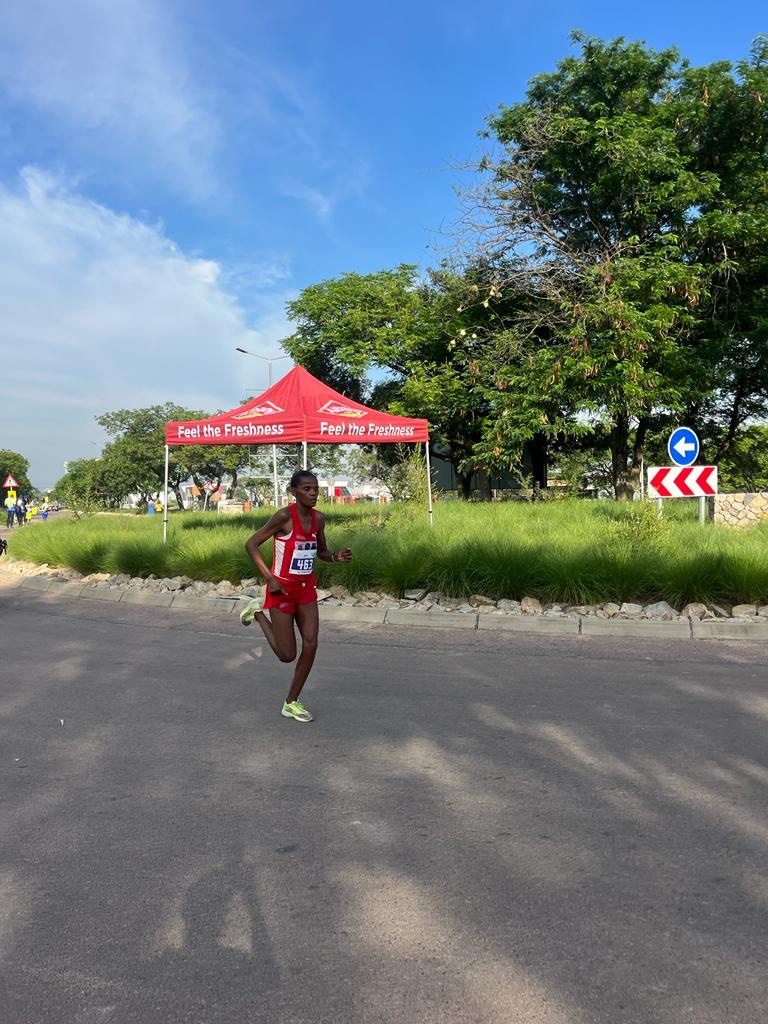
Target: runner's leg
279,632
308,621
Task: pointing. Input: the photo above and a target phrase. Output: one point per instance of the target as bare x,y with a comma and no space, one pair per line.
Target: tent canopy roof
299,407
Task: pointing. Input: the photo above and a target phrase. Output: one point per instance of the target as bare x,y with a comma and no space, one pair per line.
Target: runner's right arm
279,523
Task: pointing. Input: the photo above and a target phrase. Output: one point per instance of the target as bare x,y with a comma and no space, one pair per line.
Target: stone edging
567,625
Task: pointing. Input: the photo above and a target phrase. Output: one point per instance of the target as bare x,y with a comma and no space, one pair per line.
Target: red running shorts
295,594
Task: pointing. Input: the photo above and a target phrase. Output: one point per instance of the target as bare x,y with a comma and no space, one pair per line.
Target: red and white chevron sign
682,481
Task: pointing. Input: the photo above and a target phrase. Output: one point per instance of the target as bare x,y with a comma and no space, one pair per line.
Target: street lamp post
268,360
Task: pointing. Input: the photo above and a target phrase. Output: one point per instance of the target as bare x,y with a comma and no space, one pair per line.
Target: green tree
416,338
590,206
721,112
79,487
745,465
139,444
18,467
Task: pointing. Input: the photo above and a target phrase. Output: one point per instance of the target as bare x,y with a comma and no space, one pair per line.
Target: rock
339,593
388,603
451,603
554,612
323,595
223,586
661,610
631,611
507,606
256,591
252,581
439,608
696,610
531,606
370,595
120,579
424,605
332,602
744,611
466,609
609,609
762,611
720,611
480,601
415,595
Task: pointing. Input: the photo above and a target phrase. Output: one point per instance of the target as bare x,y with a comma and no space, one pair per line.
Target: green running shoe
296,710
251,610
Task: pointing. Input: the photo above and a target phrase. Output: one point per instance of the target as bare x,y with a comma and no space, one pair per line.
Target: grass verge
565,552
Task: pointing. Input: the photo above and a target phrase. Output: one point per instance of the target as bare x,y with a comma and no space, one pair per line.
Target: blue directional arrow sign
683,446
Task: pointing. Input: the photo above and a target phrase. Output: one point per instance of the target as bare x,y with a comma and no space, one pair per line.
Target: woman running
299,533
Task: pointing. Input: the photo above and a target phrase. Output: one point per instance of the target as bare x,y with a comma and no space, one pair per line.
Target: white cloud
101,311
116,75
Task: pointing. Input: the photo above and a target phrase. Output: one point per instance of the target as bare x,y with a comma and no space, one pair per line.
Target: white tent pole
165,498
304,443
274,472
429,483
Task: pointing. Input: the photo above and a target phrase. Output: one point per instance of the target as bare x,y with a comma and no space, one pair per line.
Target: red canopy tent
298,408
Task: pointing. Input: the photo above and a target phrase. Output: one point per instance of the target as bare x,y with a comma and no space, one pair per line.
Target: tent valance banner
299,407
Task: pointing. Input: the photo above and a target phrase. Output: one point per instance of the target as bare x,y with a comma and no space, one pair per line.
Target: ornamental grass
566,552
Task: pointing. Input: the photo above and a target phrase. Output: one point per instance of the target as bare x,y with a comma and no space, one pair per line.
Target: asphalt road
477,828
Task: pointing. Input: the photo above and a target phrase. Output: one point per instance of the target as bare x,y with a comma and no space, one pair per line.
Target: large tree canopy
402,343
629,210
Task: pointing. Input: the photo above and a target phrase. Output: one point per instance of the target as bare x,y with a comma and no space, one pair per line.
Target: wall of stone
741,509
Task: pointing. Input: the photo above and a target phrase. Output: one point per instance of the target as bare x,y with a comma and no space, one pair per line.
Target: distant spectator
21,512
150,507
10,509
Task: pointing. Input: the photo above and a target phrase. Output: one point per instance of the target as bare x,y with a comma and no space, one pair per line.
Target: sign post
683,480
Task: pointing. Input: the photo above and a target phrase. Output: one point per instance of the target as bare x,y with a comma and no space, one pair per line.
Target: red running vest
295,553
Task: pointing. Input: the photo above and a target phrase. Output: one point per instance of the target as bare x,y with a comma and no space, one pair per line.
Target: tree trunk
538,449
463,483
734,422
179,498
620,475
638,449
483,485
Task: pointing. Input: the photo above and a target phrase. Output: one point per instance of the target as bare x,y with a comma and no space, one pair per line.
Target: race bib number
303,560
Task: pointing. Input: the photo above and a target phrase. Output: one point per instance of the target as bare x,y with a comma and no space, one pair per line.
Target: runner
299,533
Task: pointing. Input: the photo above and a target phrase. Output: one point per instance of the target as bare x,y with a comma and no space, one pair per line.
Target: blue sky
171,173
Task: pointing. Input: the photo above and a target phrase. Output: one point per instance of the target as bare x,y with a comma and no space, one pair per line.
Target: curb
589,626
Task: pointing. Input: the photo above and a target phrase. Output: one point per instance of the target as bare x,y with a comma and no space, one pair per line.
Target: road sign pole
702,509
659,506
